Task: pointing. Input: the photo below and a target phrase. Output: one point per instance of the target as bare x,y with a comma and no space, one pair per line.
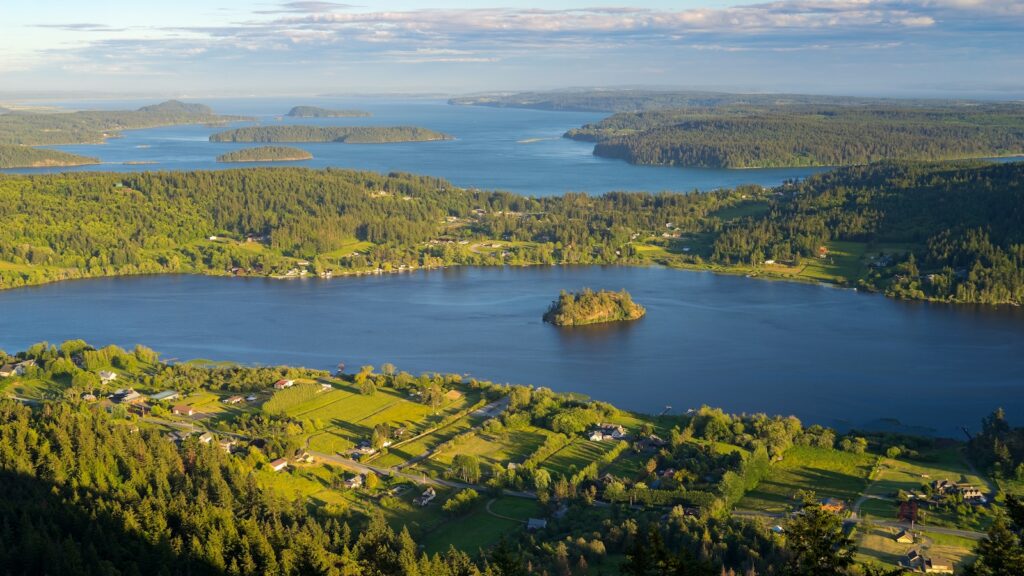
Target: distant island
789,135
265,154
589,307
341,134
15,156
95,126
317,112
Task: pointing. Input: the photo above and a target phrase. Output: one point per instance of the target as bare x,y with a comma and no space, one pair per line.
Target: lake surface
495,148
830,356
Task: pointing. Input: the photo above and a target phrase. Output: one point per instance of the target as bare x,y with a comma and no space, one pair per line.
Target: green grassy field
829,473
481,528
742,210
845,262
576,456
878,546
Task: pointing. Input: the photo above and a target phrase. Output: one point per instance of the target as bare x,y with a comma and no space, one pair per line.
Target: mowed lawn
829,473
576,456
516,446
482,528
845,262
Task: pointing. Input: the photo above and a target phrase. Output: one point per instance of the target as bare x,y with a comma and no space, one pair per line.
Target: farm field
483,526
878,545
829,473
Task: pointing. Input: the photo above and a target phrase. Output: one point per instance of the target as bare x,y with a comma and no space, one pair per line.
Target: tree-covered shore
265,154
341,134
17,156
947,232
785,136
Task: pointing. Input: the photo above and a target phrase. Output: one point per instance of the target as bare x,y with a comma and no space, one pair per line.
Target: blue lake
504,149
830,356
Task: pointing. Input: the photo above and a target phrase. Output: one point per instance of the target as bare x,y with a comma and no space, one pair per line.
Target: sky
957,48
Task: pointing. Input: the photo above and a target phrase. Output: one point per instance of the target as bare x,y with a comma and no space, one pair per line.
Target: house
324,387
126,396
305,457
904,537
607,432
88,397
234,400
7,370
21,367
182,410
833,505
822,251
354,482
226,444
207,437
279,464
427,497
943,486
970,493
165,396
915,562
283,383
106,376
778,529
534,524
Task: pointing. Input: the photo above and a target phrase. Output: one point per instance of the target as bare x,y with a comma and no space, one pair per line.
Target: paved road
970,534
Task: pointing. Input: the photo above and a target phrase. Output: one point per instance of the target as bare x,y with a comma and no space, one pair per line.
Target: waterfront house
279,464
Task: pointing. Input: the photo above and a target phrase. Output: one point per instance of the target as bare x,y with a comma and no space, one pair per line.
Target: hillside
94,126
341,134
265,154
317,112
589,307
744,137
14,156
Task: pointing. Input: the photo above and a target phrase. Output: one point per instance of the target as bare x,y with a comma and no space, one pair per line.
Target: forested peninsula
950,232
317,112
784,136
16,156
265,154
95,126
343,134
589,307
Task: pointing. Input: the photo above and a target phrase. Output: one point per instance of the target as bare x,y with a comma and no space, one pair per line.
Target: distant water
830,356
495,148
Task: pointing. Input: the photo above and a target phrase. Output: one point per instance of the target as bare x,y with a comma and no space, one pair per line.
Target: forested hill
626,100
951,232
94,126
265,154
806,136
317,112
14,156
946,231
345,134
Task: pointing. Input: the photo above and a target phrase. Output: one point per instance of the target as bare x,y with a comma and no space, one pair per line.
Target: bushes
462,502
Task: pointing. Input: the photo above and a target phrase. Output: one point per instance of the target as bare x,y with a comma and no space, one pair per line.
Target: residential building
279,464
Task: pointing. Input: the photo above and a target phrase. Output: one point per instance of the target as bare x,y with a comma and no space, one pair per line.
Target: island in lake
317,112
266,154
17,156
343,134
589,307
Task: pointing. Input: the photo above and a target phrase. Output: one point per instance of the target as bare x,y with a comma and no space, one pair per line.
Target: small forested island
265,154
589,307
317,112
343,134
95,126
116,458
16,156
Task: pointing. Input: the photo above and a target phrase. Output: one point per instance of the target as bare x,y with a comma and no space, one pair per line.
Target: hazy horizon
193,49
